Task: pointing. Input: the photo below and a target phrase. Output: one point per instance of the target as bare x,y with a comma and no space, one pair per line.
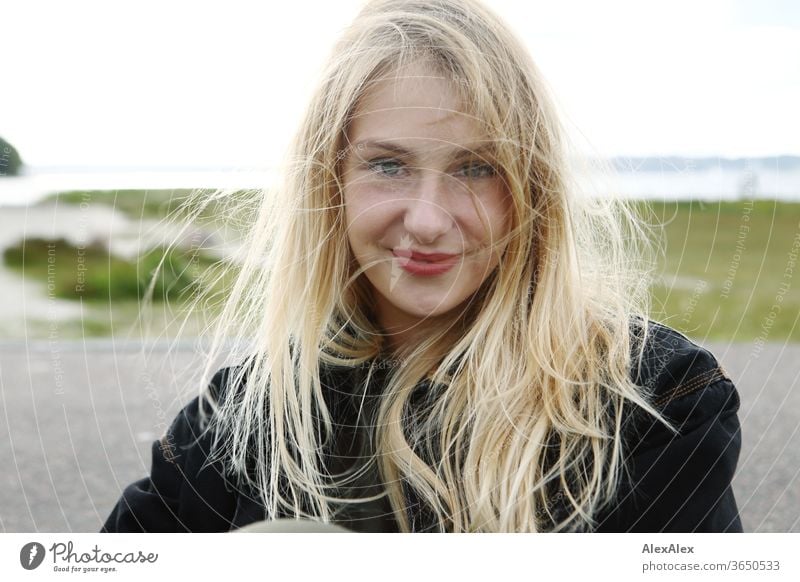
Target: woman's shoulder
679,482
227,380
671,366
683,381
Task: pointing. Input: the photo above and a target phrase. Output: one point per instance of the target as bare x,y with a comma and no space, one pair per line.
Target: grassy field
134,203
93,274
154,203
728,269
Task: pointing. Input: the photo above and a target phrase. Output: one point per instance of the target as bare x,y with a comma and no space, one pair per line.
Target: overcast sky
223,83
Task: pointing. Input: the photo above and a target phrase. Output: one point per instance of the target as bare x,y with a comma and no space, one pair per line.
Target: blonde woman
445,335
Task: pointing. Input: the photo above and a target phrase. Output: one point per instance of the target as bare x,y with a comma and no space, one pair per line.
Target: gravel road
79,419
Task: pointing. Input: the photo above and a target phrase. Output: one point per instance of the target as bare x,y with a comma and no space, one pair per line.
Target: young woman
446,336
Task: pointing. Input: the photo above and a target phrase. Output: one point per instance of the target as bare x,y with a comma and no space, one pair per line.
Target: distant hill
686,164
10,162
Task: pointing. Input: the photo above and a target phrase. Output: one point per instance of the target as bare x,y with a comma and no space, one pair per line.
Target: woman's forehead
433,94
412,118
414,108
414,147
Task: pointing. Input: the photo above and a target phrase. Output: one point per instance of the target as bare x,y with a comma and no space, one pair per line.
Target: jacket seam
696,382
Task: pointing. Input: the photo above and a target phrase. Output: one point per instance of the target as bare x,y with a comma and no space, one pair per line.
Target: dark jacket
676,483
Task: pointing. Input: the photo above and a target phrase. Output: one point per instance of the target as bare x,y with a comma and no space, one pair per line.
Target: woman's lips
425,264
426,257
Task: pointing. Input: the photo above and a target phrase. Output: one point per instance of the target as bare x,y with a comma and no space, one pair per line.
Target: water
711,184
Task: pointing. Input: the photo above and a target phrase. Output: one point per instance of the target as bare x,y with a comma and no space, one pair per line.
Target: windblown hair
526,383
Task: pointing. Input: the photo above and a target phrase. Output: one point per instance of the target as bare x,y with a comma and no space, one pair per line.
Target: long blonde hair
525,387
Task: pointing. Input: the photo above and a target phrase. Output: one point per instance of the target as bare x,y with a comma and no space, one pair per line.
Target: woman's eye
392,168
477,170
386,166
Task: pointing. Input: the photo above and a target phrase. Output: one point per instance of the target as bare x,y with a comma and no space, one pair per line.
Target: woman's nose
427,215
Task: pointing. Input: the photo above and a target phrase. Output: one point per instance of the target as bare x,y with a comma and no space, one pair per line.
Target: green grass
156,204
90,273
726,265
135,203
111,287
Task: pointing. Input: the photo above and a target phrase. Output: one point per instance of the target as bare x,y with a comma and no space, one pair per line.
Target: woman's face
415,182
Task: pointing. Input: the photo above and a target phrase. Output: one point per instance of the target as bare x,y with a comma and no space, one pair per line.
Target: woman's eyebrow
456,151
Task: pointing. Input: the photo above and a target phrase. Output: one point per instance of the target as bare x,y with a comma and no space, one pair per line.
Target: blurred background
111,114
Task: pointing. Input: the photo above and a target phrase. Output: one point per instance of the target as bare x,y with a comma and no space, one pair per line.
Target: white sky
223,83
